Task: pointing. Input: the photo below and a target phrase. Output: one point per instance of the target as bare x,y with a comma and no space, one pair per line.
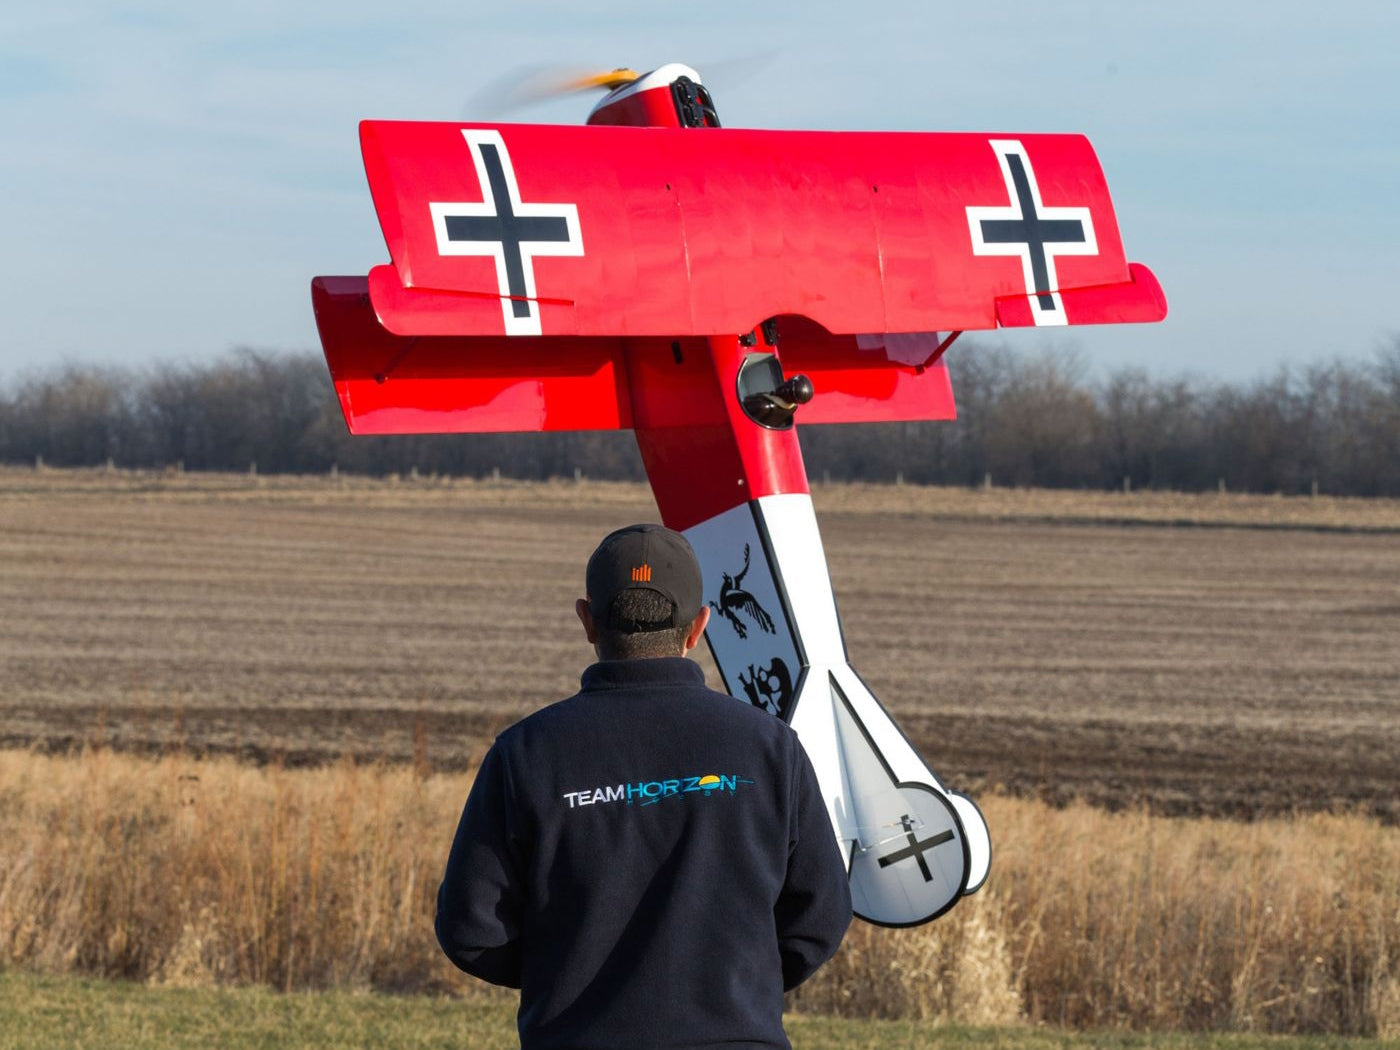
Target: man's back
650,861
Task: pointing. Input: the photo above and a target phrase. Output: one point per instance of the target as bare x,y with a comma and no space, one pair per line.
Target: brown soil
1054,645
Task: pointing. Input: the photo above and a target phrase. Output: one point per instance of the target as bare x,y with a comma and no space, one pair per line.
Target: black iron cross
1032,230
507,228
916,848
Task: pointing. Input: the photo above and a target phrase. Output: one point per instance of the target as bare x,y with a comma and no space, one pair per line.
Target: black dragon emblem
733,599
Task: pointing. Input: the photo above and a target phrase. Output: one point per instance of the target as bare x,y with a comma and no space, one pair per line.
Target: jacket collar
631,674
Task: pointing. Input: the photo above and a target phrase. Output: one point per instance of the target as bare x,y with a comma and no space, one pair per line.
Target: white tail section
914,846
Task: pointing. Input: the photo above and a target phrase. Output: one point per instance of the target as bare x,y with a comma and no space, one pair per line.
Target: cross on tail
916,848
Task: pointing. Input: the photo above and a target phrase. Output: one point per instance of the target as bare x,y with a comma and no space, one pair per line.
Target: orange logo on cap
641,574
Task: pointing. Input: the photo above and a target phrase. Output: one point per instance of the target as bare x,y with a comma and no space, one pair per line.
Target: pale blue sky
172,174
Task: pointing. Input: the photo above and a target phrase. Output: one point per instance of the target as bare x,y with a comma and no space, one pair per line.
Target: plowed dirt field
1216,654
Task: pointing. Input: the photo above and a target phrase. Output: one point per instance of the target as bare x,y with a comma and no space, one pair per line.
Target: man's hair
643,607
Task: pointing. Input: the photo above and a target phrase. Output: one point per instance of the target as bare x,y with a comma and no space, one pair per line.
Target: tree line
1022,420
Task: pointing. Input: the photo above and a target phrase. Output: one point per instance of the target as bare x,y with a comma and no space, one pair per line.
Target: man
650,862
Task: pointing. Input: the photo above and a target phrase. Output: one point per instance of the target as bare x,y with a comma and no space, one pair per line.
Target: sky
173,174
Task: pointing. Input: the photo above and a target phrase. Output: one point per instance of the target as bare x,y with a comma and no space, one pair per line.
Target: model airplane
710,289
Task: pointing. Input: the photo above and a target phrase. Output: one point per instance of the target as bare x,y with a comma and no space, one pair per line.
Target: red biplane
709,289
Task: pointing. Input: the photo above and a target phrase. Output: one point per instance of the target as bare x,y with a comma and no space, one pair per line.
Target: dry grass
185,871
1279,925
1099,920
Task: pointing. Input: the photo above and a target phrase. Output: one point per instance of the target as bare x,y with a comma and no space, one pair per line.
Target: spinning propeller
525,86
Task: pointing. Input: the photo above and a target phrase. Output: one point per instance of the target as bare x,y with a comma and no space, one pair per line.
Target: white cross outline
1040,315
442,211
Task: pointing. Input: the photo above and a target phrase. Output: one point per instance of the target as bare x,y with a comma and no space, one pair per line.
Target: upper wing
609,231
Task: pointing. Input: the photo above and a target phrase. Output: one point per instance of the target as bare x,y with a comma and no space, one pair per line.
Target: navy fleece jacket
650,862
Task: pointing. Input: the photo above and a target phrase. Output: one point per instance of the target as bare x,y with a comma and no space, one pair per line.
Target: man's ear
585,617
697,628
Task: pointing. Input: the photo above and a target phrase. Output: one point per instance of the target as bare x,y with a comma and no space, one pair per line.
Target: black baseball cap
645,557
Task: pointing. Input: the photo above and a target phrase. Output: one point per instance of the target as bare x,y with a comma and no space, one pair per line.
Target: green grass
64,1013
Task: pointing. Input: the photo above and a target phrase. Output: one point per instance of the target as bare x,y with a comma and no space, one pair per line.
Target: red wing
389,384
611,231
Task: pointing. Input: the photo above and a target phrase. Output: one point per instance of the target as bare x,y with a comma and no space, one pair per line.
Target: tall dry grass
205,871
1128,919
187,871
